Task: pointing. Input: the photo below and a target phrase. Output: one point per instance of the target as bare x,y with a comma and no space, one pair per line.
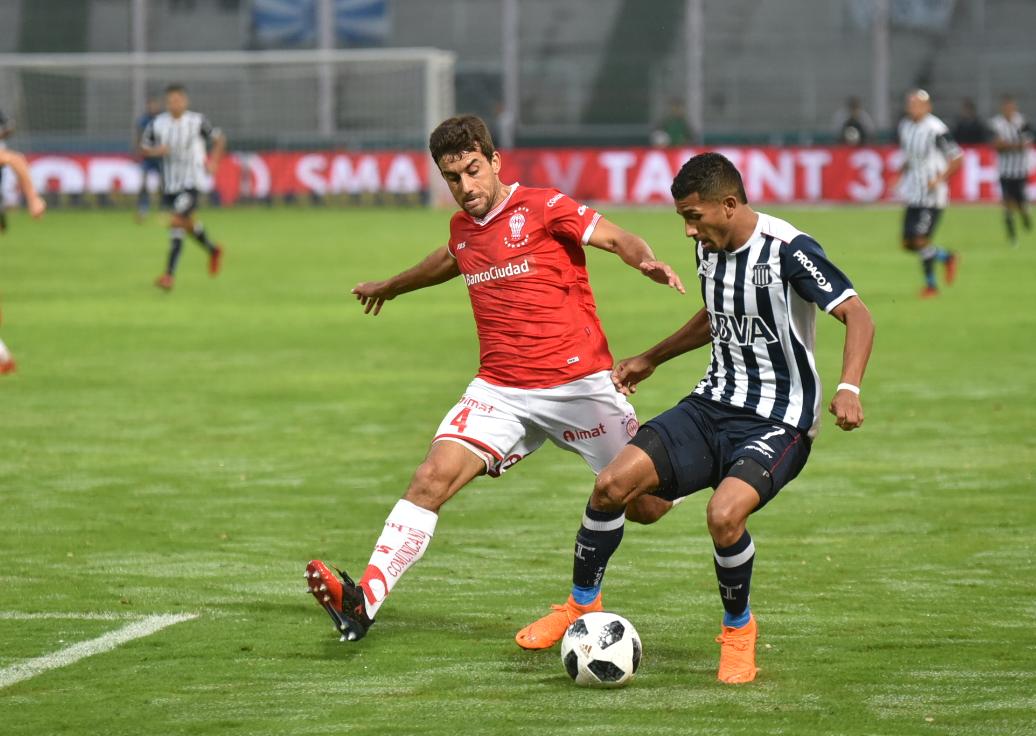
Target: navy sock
203,240
928,256
1012,234
734,571
175,245
1026,222
598,538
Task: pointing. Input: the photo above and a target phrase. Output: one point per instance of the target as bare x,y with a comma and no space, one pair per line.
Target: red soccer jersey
526,274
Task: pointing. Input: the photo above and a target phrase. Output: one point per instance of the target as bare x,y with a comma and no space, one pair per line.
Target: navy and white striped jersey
760,302
187,137
927,148
1012,164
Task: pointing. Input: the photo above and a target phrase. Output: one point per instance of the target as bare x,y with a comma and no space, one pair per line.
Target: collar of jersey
753,236
496,210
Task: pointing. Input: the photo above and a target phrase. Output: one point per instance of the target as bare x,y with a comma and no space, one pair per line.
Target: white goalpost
355,99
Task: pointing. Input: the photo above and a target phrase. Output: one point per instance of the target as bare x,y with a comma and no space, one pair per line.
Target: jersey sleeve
813,276
949,148
568,220
208,131
455,235
149,138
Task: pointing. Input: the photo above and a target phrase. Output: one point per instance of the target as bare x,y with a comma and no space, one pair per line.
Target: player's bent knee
611,492
725,522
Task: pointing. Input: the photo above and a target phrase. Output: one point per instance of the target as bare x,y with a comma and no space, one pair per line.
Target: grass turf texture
191,451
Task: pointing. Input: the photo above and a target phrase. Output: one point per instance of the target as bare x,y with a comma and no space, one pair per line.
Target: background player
36,206
544,360
930,158
180,137
6,129
747,427
1012,137
148,164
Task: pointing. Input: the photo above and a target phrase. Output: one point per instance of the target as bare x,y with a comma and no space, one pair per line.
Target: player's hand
661,273
36,206
847,409
629,372
372,295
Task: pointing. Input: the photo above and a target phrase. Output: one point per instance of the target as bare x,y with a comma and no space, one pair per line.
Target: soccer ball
601,650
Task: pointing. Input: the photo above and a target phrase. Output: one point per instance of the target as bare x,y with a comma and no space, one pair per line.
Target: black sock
1026,222
198,233
928,257
599,536
175,245
3,221
734,571
1012,234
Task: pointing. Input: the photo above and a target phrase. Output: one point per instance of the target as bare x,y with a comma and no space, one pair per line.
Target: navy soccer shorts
1013,190
920,222
147,165
699,442
181,203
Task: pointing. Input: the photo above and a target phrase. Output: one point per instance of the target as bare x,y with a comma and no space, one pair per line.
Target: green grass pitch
189,452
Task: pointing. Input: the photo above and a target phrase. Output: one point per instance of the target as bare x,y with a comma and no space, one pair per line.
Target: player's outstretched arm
634,251
629,372
859,339
20,166
437,268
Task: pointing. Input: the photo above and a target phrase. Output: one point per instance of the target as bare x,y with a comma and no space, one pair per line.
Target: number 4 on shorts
461,420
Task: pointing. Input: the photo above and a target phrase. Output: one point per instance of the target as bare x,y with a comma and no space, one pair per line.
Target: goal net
352,99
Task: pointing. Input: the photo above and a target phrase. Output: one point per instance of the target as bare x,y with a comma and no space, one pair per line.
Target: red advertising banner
626,176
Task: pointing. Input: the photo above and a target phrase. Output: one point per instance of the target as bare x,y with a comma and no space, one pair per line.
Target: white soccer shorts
502,425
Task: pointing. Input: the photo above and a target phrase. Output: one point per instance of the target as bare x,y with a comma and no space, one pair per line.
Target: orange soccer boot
547,631
737,653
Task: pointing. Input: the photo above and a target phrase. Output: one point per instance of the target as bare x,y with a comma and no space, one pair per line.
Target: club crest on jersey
762,275
706,268
516,236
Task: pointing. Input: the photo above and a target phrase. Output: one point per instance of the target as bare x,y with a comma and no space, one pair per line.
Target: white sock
407,533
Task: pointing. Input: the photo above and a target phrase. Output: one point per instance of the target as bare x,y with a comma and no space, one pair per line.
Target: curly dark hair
461,134
712,176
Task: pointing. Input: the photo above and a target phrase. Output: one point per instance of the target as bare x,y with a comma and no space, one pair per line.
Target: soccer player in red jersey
544,360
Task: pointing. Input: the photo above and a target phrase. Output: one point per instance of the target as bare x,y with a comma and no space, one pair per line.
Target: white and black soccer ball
601,650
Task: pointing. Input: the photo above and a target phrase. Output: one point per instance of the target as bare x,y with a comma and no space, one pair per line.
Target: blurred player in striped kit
36,206
6,129
930,158
1012,138
182,137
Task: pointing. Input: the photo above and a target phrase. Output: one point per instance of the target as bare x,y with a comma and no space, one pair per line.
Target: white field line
69,655
71,616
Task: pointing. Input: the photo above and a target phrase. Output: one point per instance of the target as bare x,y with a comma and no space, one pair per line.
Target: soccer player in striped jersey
747,427
930,158
1012,138
181,138
36,206
6,130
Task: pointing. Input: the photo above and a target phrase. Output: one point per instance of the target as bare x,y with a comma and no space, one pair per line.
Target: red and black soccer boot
342,599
